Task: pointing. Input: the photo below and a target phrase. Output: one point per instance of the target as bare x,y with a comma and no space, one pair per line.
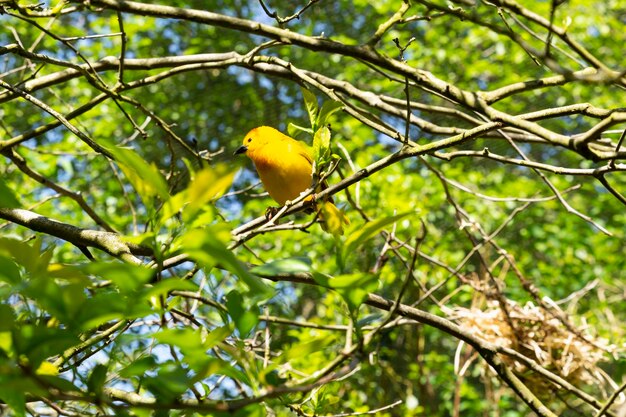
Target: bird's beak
240,150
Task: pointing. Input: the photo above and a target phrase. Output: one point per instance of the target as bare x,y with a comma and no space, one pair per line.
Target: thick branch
111,243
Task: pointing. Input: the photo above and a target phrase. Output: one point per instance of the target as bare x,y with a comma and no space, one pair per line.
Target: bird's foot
310,204
271,212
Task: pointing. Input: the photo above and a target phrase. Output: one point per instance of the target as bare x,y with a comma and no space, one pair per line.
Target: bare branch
111,243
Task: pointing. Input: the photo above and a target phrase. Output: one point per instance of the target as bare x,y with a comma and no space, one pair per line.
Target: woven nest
539,335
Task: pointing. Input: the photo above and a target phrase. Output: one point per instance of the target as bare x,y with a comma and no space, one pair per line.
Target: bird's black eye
249,140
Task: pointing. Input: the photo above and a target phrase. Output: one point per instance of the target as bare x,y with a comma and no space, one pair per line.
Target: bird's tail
332,219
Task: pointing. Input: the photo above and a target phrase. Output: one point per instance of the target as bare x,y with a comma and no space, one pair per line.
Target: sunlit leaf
310,102
174,205
217,335
307,347
283,266
186,339
293,130
47,368
328,108
353,288
6,341
205,247
321,145
333,219
125,276
207,185
145,177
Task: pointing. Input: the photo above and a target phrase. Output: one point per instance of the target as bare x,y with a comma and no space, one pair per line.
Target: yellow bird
285,167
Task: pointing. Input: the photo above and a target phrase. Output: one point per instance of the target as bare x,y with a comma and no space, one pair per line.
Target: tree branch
111,243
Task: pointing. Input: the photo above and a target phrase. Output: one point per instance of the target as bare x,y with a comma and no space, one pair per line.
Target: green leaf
97,378
204,246
207,185
310,101
321,145
193,344
6,342
353,288
273,378
102,308
68,273
328,108
7,317
146,178
23,253
9,271
62,301
15,399
371,229
127,277
7,197
173,206
186,339
220,367
305,347
28,255
39,343
245,318
109,305
171,381
283,266
190,344
138,367
294,130
166,286
217,335
332,219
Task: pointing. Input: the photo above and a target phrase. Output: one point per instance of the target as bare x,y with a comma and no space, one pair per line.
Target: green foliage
145,178
353,288
206,248
7,197
196,308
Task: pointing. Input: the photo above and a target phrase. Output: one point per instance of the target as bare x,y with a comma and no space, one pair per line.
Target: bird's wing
304,150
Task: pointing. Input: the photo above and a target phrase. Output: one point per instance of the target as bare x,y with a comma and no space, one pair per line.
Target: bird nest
572,353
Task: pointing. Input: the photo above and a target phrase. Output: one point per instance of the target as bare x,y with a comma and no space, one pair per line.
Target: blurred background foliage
147,335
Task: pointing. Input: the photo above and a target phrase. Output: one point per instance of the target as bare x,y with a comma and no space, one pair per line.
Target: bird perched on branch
285,167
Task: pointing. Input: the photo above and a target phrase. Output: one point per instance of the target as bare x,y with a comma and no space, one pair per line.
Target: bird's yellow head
256,139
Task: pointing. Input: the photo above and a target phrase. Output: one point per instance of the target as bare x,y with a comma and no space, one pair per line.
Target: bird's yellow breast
284,168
